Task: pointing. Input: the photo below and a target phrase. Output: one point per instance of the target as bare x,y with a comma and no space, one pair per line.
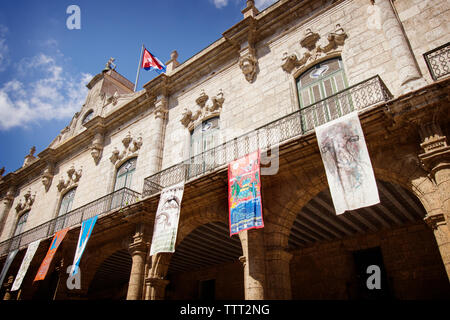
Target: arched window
125,174
88,116
205,136
66,202
317,83
21,223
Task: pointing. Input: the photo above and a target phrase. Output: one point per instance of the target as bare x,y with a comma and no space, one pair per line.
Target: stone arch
190,222
93,259
406,174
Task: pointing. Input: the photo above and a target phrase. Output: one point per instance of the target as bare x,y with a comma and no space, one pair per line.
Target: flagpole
139,68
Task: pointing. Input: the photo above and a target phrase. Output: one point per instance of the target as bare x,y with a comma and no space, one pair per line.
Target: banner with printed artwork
166,220
85,233
56,241
347,163
31,250
244,194
9,260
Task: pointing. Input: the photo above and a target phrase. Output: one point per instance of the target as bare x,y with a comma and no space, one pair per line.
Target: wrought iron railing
115,200
356,97
438,61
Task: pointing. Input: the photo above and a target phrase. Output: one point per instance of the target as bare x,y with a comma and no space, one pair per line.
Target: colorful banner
85,233
56,241
9,260
244,194
166,219
31,250
347,163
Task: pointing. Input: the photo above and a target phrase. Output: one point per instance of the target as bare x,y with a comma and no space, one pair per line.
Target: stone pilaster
439,225
8,284
160,113
157,288
138,250
408,71
7,201
253,260
436,161
278,274
155,282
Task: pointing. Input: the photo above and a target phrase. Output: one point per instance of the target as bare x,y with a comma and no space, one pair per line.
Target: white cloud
220,3
55,96
4,50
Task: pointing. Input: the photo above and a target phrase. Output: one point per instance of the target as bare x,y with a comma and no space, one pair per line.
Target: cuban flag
150,61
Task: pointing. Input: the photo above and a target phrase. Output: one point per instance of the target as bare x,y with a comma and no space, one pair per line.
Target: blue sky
44,66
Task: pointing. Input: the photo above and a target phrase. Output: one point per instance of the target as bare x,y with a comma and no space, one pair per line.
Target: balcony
438,61
101,207
356,97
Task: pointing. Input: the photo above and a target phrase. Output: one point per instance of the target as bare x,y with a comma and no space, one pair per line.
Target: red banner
57,239
244,194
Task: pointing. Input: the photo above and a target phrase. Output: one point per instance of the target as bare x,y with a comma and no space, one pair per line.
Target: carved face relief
248,67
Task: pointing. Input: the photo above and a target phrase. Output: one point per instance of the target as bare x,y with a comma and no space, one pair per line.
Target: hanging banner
31,250
9,260
85,233
166,219
244,194
56,241
347,163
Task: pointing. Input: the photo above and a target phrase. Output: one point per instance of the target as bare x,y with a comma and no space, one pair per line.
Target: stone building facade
263,85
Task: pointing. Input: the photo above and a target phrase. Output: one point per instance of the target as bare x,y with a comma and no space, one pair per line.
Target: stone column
436,160
157,288
278,274
406,65
160,112
252,242
155,283
138,250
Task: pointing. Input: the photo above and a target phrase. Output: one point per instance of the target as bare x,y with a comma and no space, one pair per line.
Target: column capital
157,282
243,260
434,221
436,151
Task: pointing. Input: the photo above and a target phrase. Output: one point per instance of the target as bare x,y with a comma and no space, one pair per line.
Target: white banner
32,247
166,219
9,260
347,163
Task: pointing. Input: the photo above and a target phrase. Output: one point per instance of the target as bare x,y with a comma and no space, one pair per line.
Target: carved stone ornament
47,178
30,157
130,148
205,108
73,176
27,203
97,147
313,52
248,65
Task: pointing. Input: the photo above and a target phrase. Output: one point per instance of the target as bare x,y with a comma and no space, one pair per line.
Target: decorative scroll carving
435,146
335,39
27,203
73,176
130,148
206,108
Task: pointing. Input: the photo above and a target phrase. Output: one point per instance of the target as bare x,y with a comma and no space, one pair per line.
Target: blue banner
85,233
